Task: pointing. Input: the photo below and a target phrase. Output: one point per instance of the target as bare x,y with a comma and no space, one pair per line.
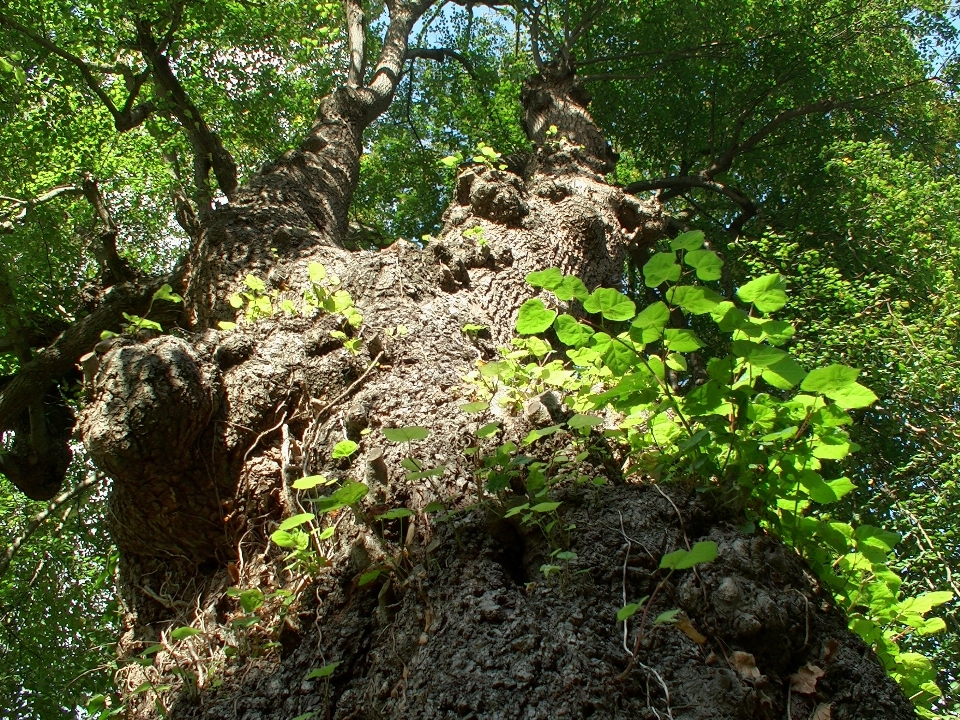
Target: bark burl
204,433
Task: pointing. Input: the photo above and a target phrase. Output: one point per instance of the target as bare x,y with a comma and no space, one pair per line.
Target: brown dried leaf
686,627
804,681
745,664
822,712
830,648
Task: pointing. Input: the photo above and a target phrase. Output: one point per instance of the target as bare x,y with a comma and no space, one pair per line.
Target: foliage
58,607
749,425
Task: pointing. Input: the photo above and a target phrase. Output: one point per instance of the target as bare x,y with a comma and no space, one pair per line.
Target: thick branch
441,55
386,74
356,36
60,357
209,152
113,268
41,517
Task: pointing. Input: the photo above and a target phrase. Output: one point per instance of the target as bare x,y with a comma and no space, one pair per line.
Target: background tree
814,138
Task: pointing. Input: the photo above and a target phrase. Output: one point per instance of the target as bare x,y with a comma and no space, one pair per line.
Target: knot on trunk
492,194
152,402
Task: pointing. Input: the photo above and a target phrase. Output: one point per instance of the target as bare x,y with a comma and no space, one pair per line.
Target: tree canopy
815,139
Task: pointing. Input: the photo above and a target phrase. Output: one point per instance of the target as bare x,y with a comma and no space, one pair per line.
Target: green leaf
344,448
183,632
296,521
662,267
540,433
534,317
226,326
703,552
838,382
548,279
405,434
694,298
648,326
395,513
474,407
767,293
545,507
784,374
630,609
349,494
570,332
488,430
666,617
610,303
166,293
690,240
254,283
925,602
706,262
286,539
571,287
582,421
325,671
681,340
251,599
318,273
311,481
426,472
369,577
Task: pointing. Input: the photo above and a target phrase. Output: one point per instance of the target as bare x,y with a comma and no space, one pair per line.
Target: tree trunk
204,434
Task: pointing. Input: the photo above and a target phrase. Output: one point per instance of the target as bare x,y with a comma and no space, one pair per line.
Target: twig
42,516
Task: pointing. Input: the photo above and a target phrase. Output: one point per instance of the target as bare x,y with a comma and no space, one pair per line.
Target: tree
303,371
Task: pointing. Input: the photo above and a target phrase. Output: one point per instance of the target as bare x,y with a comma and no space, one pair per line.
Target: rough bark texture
204,434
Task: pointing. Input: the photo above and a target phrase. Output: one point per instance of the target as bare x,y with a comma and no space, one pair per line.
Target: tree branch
386,74
209,152
123,120
113,268
20,208
441,55
41,517
356,37
59,358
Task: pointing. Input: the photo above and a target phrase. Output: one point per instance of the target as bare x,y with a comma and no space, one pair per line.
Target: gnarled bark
204,436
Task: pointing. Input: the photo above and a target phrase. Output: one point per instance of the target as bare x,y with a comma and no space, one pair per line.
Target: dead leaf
687,628
830,648
804,681
745,664
822,712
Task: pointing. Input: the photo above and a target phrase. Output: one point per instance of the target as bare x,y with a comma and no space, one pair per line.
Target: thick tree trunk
204,435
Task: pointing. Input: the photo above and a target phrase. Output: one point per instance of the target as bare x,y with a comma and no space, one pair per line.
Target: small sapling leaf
296,521
405,434
183,632
344,449
767,293
662,267
534,317
395,513
611,304
666,617
325,671
475,407
689,241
